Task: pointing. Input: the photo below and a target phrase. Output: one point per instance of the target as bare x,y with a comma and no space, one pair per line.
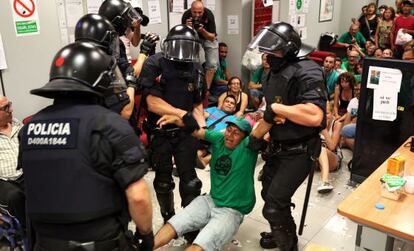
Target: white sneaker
325,187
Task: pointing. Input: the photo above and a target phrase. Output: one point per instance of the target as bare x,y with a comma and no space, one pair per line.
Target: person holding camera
202,20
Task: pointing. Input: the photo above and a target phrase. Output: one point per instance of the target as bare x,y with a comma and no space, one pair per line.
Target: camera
196,22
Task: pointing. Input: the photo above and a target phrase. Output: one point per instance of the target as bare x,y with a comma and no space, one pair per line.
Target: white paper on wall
74,11
154,12
3,63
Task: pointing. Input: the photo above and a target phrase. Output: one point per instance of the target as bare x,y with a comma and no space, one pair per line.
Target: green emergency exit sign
25,27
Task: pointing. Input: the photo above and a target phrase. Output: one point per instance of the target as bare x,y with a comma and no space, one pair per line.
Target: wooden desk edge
374,225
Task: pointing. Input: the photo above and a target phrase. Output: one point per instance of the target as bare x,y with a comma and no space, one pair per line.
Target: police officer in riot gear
96,29
83,164
180,92
122,16
296,99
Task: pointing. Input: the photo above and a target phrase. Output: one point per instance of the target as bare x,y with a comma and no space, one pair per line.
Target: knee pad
163,187
277,216
189,190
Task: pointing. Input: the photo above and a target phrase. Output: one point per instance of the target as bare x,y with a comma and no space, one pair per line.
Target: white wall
29,58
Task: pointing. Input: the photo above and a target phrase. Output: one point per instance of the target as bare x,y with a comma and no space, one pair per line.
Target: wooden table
396,220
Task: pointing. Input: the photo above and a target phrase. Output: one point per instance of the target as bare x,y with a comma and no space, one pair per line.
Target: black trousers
183,148
283,173
12,194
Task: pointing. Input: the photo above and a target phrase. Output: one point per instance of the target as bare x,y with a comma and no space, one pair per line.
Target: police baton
308,190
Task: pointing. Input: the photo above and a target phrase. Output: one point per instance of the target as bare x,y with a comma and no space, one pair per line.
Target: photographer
202,20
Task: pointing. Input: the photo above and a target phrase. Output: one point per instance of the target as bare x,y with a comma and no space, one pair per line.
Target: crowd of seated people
371,35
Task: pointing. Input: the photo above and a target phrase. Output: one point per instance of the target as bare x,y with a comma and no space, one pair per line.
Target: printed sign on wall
25,17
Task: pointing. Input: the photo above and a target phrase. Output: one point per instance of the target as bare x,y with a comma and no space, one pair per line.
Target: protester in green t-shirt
218,215
258,82
222,74
353,36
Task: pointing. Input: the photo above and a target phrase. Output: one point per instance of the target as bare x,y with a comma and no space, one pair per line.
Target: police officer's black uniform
79,157
182,86
121,14
293,80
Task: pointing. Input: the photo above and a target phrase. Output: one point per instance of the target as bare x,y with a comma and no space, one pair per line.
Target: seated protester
349,128
378,53
222,74
11,180
358,73
331,74
235,89
217,215
370,51
408,55
331,156
344,92
257,82
387,54
353,36
216,119
338,63
350,64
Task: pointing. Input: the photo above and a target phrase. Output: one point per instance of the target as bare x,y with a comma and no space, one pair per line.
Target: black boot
266,240
166,202
285,238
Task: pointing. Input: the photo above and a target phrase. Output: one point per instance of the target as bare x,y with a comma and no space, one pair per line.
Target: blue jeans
218,224
348,131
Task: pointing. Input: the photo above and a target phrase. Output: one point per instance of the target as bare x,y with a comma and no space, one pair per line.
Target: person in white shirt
11,180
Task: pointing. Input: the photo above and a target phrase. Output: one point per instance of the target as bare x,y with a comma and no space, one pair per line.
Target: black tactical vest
182,85
286,86
61,184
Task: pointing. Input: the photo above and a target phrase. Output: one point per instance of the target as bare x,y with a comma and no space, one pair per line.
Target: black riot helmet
79,68
120,14
98,30
182,44
277,37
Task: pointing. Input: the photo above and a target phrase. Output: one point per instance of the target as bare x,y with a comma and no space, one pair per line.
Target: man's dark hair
407,3
231,96
222,44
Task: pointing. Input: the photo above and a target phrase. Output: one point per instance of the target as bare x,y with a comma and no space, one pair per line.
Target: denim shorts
256,93
217,225
348,131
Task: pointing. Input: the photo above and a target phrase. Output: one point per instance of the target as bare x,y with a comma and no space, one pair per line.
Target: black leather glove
190,124
144,242
269,115
256,144
148,44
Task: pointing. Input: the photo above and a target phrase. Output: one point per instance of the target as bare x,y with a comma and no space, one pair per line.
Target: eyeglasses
6,108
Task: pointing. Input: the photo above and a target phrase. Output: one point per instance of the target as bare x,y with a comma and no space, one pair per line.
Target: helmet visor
112,40
106,78
267,41
131,15
181,50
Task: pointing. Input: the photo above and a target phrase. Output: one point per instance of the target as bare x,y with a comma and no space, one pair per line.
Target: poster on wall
154,11
74,11
232,24
92,6
326,8
25,17
262,16
3,63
